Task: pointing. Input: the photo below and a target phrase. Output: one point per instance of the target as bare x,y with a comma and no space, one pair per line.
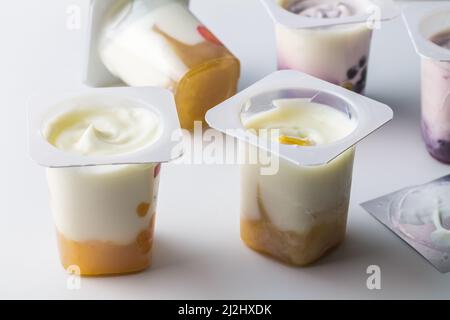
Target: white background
198,253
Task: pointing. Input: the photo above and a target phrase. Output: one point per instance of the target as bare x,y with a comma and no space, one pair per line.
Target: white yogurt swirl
101,130
322,9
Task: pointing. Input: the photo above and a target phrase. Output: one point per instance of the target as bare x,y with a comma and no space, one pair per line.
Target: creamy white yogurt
103,131
98,130
101,203
319,123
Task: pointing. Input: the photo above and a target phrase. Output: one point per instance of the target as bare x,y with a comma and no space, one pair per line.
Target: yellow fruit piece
303,142
348,85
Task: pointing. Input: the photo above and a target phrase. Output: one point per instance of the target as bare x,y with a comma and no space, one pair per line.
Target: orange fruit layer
299,249
204,87
98,258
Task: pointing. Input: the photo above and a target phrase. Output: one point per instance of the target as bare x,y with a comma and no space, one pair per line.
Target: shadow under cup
299,213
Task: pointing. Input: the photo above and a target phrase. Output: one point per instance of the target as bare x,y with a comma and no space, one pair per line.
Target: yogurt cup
104,207
298,213
327,39
429,27
161,43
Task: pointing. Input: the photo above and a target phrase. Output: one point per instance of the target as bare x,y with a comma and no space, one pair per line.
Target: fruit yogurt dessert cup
161,43
300,213
429,28
436,101
104,215
103,152
298,137
337,52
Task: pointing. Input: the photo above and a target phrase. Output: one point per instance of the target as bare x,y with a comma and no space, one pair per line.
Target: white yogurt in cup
103,152
299,213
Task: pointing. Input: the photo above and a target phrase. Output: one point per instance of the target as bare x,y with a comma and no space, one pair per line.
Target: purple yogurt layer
356,75
438,148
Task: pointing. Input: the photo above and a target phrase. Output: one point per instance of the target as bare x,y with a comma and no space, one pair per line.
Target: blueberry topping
364,73
362,62
352,72
360,85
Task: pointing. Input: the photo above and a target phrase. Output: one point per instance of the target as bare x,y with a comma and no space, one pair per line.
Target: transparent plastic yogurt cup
420,216
295,206
298,214
161,43
104,217
336,51
429,28
103,150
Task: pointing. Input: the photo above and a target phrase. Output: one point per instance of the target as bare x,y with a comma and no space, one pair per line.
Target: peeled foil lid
369,114
419,215
45,106
424,21
377,10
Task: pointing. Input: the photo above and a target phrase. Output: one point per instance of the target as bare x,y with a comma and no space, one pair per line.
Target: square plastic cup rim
160,101
369,113
413,16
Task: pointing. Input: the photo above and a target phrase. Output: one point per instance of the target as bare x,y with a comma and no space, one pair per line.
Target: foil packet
420,216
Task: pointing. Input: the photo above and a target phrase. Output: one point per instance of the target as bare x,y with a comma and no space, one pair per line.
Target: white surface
198,253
